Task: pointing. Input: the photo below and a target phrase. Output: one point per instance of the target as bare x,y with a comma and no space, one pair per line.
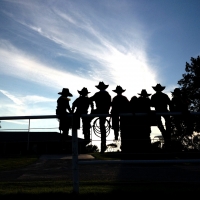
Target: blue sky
48,45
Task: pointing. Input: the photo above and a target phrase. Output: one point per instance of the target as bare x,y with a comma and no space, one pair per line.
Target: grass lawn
87,190
97,190
106,156
16,161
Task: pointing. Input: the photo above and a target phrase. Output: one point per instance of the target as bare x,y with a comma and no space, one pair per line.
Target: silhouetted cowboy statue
161,101
177,105
134,126
133,104
81,106
144,123
180,103
102,100
62,107
120,104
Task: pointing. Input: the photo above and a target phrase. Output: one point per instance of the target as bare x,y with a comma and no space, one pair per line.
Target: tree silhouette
190,85
190,89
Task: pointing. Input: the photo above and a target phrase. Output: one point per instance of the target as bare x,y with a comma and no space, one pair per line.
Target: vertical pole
28,135
75,157
91,132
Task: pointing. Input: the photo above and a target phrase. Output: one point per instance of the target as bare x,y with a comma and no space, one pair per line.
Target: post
75,157
28,135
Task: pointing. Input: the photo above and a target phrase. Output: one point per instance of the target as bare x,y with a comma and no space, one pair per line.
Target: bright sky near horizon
48,45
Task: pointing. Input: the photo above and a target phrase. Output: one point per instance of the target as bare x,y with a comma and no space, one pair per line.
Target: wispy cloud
78,49
36,99
115,62
114,55
30,69
25,105
16,100
29,99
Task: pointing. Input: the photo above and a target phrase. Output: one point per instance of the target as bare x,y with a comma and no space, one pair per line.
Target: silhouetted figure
144,123
161,101
102,100
62,108
131,128
81,106
119,105
180,103
133,104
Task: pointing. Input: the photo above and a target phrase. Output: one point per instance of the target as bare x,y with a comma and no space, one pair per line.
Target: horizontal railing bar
5,129
1,130
139,114
92,115
140,161
44,128
29,117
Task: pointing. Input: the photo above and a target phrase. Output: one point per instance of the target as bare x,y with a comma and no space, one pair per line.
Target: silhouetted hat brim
158,88
144,95
119,91
176,92
101,87
83,92
65,94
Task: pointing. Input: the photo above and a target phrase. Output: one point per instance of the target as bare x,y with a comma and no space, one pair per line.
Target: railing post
28,134
75,157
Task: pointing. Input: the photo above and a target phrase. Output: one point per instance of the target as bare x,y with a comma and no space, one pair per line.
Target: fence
29,122
76,162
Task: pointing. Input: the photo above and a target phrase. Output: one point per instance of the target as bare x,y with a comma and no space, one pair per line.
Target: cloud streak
106,59
79,51
12,97
30,69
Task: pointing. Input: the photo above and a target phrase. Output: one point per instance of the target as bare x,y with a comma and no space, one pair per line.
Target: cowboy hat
119,90
101,86
176,91
65,92
144,93
84,91
158,87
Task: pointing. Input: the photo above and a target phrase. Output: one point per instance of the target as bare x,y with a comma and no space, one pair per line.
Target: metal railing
28,118
76,162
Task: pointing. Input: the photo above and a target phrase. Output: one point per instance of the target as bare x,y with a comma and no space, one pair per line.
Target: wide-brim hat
65,92
176,91
144,93
101,86
158,87
84,91
119,90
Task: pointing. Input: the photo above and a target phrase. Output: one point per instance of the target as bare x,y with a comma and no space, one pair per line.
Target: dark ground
61,169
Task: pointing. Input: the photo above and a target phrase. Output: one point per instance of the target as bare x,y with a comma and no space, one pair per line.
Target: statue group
133,129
